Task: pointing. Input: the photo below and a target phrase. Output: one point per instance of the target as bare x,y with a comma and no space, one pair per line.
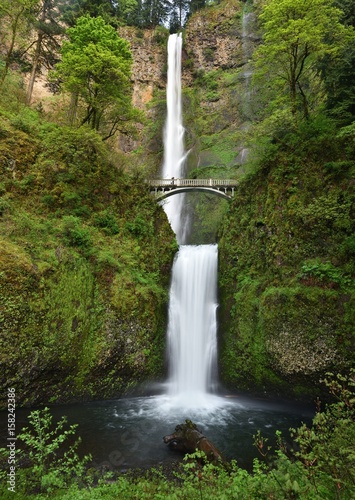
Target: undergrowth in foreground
319,465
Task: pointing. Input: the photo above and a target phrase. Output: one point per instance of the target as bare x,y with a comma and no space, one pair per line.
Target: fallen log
187,438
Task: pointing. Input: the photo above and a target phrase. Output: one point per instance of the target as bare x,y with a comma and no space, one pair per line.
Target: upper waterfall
174,150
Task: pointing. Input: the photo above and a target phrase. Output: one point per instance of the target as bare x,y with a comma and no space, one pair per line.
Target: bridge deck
163,188
173,182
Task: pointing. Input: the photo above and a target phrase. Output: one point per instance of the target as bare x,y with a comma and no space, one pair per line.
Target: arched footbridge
163,188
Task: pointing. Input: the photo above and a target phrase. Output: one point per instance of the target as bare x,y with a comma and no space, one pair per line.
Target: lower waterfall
192,327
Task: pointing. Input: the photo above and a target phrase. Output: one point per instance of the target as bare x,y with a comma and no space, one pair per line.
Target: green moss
285,277
84,274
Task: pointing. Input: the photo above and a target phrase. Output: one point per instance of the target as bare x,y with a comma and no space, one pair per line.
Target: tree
14,16
155,12
297,35
78,8
178,14
196,5
129,11
47,27
96,68
339,75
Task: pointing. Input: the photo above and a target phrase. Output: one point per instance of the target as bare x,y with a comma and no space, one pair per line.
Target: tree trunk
188,438
73,108
14,26
34,67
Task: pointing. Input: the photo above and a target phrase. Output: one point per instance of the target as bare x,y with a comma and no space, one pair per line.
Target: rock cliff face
149,61
213,39
287,304
216,43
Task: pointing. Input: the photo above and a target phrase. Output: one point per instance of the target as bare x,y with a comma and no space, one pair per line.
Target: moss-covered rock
85,265
286,278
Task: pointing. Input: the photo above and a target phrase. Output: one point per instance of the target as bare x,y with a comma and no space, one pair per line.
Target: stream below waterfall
128,432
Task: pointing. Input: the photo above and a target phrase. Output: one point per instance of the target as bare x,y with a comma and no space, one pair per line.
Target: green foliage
5,205
339,75
107,222
16,16
321,462
26,121
212,96
161,35
74,233
209,80
139,227
54,461
295,39
324,272
78,281
95,68
289,230
326,450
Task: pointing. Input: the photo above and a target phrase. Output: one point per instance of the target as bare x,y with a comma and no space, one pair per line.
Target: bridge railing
176,182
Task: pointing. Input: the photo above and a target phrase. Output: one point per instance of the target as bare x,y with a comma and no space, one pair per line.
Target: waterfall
192,325
192,343
174,151
248,43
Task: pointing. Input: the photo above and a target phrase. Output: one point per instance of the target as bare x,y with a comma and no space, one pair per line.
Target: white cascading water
174,150
192,324
192,327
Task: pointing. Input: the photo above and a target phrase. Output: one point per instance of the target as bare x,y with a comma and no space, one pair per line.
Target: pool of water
127,433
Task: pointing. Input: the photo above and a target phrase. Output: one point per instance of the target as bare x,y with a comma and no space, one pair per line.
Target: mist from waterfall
174,149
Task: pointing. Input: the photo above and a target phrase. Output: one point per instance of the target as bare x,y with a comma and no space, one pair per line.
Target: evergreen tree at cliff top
140,13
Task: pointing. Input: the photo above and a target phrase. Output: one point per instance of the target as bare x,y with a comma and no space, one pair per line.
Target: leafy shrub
212,96
209,80
26,120
324,272
349,245
49,460
139,227
107,222
5,205
209,53
161,35
27,183
322,462
327,450
75,233
48,199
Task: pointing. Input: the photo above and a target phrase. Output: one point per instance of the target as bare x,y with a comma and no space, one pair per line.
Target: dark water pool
126,433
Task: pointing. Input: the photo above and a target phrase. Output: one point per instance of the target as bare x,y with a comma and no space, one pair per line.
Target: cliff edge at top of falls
212,39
